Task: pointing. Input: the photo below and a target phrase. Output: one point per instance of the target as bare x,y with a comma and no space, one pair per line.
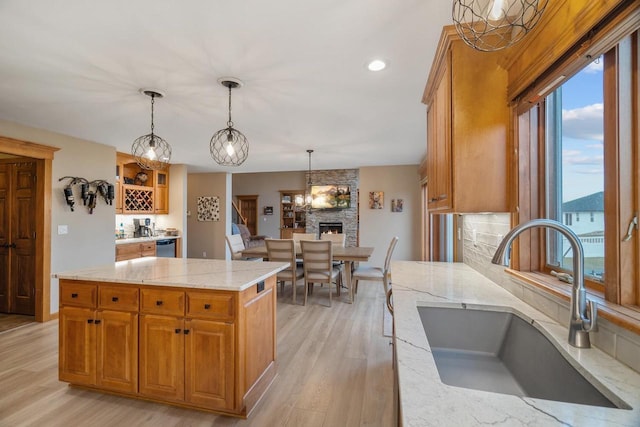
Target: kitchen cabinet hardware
178,330
114,299
98,321
74,295
186,331
90,321
159,302
207,306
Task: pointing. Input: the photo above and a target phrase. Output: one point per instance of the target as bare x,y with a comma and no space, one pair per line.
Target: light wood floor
334,369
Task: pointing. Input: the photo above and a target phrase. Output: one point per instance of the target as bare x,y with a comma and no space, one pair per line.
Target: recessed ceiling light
376,65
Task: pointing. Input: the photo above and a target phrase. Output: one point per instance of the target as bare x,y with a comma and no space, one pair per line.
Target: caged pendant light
490,25
151,151
228,146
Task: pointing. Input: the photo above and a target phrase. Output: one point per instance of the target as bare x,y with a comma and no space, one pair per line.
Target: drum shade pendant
490,25
151,151
228,146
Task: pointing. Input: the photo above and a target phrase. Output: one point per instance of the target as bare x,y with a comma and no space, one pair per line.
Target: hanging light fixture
308,197
490,25
228,146
151,151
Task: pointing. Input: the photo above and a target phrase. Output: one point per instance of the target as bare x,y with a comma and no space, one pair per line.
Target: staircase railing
236,214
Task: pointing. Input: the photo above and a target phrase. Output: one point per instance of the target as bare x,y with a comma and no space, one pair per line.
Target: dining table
348,255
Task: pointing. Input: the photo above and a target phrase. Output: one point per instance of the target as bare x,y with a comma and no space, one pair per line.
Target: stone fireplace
347,217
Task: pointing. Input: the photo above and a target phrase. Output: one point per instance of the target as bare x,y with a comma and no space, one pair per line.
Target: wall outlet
204,254
63,229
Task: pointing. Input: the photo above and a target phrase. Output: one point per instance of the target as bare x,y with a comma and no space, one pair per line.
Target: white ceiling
75,67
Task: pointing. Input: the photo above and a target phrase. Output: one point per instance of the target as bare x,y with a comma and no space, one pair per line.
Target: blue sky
582,131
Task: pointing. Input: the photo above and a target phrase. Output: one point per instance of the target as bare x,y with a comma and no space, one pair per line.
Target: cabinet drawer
211,305
118,298
78,294
158,301
148,249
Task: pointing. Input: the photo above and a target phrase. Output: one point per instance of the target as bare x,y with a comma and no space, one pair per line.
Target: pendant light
490,25
151,151
228,146
308,197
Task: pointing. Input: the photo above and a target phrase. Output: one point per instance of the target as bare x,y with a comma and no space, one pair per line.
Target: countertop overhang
426,401
180,272
144,239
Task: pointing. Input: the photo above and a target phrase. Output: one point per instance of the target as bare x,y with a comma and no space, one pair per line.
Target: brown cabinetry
177,346
467,122
188,358
127,251
98,342
293,216
140,191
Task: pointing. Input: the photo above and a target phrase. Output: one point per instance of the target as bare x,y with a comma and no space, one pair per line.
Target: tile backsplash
481,235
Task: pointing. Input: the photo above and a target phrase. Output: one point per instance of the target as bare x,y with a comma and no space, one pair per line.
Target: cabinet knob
97,322
207,306
178,330
114,299
186,331
89,321
74,295
159,302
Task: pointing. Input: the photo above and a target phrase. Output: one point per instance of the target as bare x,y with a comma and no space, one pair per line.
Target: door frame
249,198
43,154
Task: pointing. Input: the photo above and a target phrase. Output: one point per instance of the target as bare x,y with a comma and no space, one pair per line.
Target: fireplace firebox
329,227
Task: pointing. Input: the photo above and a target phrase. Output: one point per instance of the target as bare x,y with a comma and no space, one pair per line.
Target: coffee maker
141,227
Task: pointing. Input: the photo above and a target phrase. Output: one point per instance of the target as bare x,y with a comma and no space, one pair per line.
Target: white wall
378,226
206,238
267,186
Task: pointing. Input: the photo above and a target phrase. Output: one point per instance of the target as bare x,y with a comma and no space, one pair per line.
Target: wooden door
248,207
161,368
209,364
77,352
117,347
18,237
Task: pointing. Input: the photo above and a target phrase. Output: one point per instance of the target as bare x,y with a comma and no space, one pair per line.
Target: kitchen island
196,333
424,400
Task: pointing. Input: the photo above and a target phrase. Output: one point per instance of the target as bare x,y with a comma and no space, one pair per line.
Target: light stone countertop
180,272
144,239
426,401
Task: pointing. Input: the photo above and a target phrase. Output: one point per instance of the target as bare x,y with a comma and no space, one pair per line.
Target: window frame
622,158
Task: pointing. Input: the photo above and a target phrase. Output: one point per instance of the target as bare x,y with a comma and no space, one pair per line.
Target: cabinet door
117,357
161,192
439,145
210,373
161,369
77,352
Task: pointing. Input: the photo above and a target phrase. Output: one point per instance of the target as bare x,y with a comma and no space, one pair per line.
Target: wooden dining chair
376,274
318,266
297,237
283,250
337,240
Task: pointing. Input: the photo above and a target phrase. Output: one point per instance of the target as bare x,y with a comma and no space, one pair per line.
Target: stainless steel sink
498,351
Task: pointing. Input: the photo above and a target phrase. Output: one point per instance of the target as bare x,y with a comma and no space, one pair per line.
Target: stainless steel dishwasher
166,248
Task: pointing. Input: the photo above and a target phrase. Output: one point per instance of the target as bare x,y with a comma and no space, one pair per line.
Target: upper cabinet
139,190
467,123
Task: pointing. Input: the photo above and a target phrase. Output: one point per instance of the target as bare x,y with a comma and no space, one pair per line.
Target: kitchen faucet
582,322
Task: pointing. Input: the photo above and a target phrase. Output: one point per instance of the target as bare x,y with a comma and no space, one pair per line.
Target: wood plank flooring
11,321
334,369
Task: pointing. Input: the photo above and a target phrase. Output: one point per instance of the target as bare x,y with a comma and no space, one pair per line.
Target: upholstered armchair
249,240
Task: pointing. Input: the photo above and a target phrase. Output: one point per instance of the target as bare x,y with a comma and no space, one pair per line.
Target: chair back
316,258
236,245
336,239
281,250
297,237
392,246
